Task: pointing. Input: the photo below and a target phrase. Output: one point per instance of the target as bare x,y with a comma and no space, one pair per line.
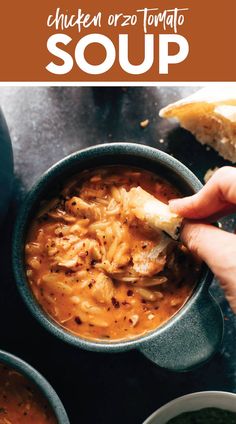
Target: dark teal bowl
39,381
6,167
188,339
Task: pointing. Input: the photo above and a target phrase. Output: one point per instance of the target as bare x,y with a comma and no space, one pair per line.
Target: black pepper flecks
78,320
115,302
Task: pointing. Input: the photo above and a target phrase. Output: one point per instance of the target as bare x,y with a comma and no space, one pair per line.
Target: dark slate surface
46,124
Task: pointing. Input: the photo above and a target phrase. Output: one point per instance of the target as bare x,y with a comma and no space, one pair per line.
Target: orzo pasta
97,269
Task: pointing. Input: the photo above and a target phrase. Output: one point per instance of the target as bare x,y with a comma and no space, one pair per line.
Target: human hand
214,246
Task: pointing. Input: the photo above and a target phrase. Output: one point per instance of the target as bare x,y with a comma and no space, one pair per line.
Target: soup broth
20,401
99,271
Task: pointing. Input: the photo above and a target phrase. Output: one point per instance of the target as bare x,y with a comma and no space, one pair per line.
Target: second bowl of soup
101,278
25,396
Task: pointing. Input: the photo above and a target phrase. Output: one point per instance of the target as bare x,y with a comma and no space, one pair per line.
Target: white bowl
193,402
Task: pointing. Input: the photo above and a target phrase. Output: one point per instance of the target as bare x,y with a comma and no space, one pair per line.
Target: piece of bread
210,114
154,212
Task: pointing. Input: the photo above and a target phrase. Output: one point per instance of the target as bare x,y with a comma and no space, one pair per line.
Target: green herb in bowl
205,416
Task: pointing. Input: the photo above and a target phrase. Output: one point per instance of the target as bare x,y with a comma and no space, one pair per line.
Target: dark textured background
45,125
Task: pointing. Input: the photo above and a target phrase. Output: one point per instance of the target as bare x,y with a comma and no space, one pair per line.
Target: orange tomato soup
99,271
20,401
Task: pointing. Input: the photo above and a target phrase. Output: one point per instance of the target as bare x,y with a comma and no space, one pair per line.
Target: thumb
217,196
218,249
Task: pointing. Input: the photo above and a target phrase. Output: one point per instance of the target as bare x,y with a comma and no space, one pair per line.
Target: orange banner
165,40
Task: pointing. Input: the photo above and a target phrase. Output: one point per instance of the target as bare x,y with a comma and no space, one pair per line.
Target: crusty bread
154,212
210,114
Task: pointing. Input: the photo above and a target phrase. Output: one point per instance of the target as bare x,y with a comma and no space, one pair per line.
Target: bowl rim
194,395
129,149
40,383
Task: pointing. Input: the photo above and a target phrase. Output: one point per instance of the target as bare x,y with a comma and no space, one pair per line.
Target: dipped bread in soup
101,256
20,401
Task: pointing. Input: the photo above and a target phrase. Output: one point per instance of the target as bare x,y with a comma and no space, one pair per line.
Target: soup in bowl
98,270
25,396
98,275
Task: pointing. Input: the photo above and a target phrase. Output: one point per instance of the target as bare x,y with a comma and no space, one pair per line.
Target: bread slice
210,114
154,212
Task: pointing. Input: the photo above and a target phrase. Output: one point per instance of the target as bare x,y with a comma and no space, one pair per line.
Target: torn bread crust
154,212
209,114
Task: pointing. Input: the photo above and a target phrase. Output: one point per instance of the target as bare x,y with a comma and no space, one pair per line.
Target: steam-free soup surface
99,271
20,401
